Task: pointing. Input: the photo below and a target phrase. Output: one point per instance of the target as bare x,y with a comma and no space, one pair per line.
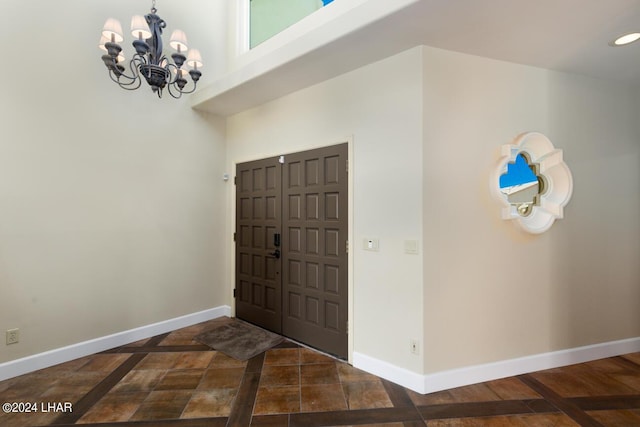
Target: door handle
275,254
276,243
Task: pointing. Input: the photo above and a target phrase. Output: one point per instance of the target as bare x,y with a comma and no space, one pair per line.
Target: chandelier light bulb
112,30
140,28
194,59
181,74
178,41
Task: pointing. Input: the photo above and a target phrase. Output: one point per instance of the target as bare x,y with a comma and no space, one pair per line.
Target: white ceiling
564,35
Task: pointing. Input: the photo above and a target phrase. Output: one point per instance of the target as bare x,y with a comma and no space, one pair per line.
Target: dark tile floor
171,380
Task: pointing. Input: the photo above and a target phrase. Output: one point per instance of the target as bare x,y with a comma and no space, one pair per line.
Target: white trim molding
49,358
388,371
444,380
243,27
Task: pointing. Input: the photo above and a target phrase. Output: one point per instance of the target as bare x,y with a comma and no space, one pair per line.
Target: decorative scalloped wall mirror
532,182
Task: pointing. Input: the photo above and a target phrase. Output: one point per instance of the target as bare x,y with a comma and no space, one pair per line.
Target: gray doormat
238,339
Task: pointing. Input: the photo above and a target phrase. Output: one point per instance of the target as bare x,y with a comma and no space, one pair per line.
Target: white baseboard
444,380
28,364
393,373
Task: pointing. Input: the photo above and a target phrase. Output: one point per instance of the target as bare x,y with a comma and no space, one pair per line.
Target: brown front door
306,213
258,221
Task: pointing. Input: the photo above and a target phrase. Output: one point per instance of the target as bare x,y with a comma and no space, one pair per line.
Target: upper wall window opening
269,17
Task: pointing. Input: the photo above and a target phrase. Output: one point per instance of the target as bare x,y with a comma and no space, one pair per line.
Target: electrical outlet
414,347
13,336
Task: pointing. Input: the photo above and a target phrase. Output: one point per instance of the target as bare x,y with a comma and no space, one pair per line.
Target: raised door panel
258,219
314,248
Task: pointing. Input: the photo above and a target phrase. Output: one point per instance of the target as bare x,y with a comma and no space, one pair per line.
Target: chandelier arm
173,71
186,92
116,71
174,91
134,66
130,86
126,85
131,82
173,83
171,87
134,78
119,77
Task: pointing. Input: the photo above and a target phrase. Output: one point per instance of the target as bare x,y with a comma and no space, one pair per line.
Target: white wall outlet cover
558,182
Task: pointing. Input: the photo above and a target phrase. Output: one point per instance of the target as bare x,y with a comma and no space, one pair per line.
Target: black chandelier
149,61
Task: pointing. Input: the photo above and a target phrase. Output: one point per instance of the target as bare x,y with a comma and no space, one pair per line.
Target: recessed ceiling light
625,39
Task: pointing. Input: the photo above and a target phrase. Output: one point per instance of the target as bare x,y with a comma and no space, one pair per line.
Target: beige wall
110,213
492,292
380,107
427,125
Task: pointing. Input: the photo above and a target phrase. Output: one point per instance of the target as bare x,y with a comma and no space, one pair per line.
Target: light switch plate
410,246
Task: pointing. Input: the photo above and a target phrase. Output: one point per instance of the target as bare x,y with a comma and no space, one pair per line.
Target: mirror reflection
521,184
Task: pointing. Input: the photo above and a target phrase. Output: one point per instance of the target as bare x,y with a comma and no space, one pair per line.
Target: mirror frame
538,150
